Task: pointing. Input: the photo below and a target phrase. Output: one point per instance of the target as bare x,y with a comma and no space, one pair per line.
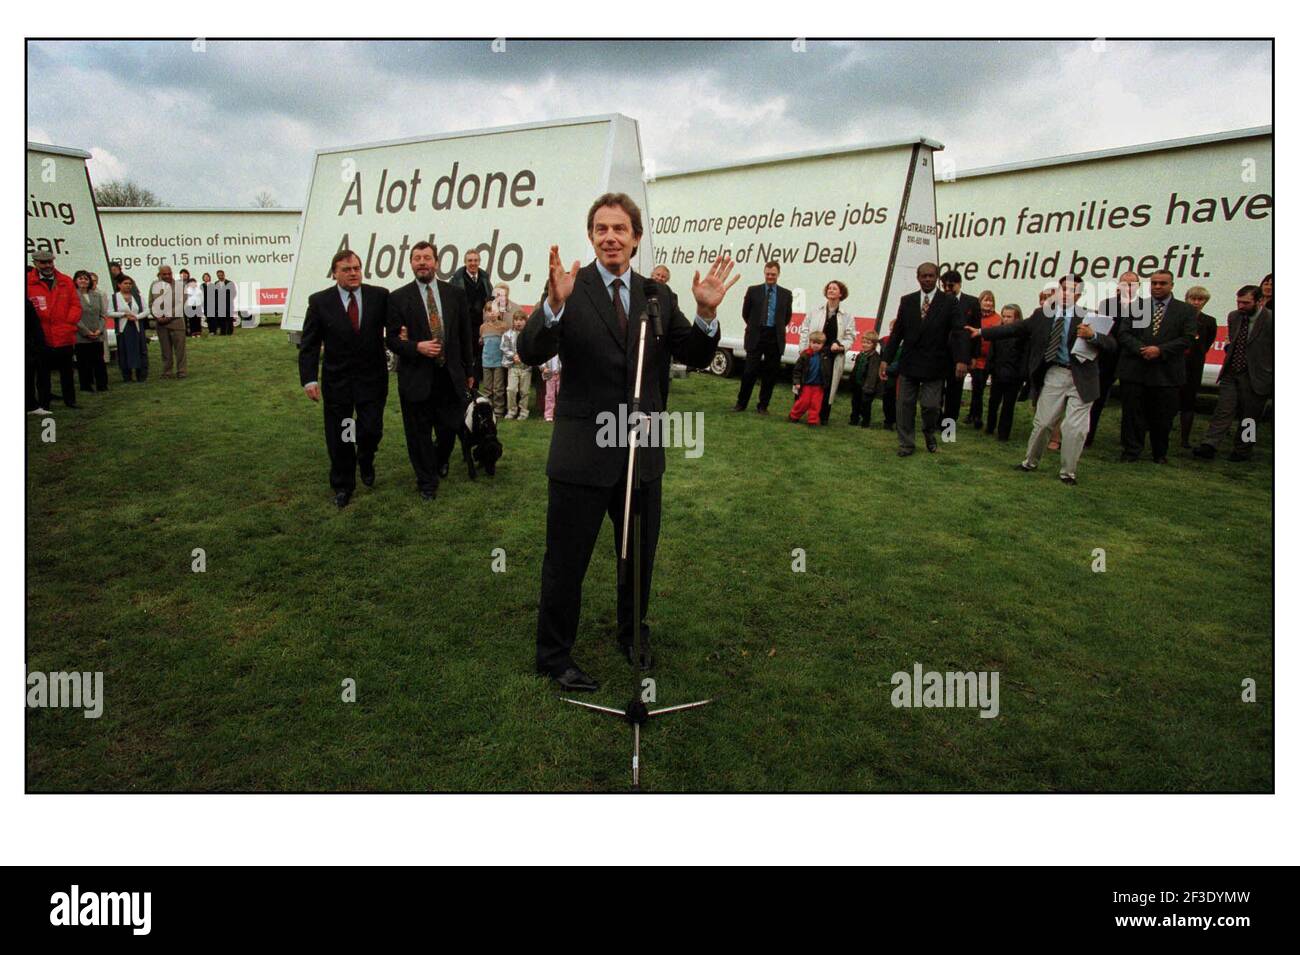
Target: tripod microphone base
637,715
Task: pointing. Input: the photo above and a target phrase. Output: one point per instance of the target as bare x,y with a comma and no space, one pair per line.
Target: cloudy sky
215,128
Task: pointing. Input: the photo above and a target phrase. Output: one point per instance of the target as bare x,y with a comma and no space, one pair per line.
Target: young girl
551,378
494,369
519,377
979,374
1007,366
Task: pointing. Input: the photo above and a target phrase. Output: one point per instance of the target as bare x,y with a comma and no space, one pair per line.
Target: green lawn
230,680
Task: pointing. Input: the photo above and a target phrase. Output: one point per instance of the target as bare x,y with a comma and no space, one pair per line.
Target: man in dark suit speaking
589,316
431,376
348,319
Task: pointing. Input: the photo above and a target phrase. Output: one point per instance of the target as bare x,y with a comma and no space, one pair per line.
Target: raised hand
710,292
561,281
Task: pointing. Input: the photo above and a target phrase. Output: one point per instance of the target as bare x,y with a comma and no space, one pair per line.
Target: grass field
230,680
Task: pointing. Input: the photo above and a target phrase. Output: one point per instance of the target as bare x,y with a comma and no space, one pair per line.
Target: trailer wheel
722,363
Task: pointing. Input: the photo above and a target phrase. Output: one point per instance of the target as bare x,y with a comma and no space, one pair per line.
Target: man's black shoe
762,411
368,474
906,452
1022,466
931,443
575,681
1066,479
428,495
1205,452
734,407
1160,460
341,498
647,657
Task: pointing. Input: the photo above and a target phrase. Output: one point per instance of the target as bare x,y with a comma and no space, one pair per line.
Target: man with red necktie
348,320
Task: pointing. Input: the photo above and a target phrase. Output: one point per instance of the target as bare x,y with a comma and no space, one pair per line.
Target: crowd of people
68,326
1063,358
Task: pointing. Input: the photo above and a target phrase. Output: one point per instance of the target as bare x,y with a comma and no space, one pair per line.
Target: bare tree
124,192
264,200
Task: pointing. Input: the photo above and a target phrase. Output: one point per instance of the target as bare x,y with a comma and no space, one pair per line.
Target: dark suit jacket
969,306
754,312
472,292
1177,332
598,371
1037,331
1259,349
419,377
356,367
932,346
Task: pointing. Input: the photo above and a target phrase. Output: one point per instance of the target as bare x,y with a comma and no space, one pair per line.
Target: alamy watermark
933,688
654,429
82,691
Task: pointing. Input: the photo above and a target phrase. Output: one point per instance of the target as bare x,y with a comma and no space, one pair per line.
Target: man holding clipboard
1064,341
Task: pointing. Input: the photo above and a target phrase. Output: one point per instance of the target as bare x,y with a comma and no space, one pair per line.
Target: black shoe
738,408
906,452
647,658
1022,466
1066,479
575,681
428,495
854,422
761,411
931,443
1160,460
342,498
1205,452
977,425
368,474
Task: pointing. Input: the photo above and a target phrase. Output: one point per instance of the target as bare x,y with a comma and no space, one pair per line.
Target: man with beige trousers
167,309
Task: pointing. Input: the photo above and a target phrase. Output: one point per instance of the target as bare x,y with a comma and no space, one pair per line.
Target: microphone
652,306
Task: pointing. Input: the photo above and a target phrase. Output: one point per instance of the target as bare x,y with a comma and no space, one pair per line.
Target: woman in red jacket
57,303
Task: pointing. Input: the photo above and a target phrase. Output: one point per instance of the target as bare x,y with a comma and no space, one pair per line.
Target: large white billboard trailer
254,247
863,215
510,192
1201,207
61,215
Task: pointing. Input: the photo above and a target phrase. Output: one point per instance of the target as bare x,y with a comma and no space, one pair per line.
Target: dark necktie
617,286
1238,363
1054,342
353,315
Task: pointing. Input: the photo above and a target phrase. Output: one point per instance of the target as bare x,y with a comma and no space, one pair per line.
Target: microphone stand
629,559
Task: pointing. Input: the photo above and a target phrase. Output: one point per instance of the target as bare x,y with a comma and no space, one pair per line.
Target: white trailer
510,192
864,215
255,247
1201,207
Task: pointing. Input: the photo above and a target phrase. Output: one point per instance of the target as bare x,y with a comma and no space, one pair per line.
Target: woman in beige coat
837,324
